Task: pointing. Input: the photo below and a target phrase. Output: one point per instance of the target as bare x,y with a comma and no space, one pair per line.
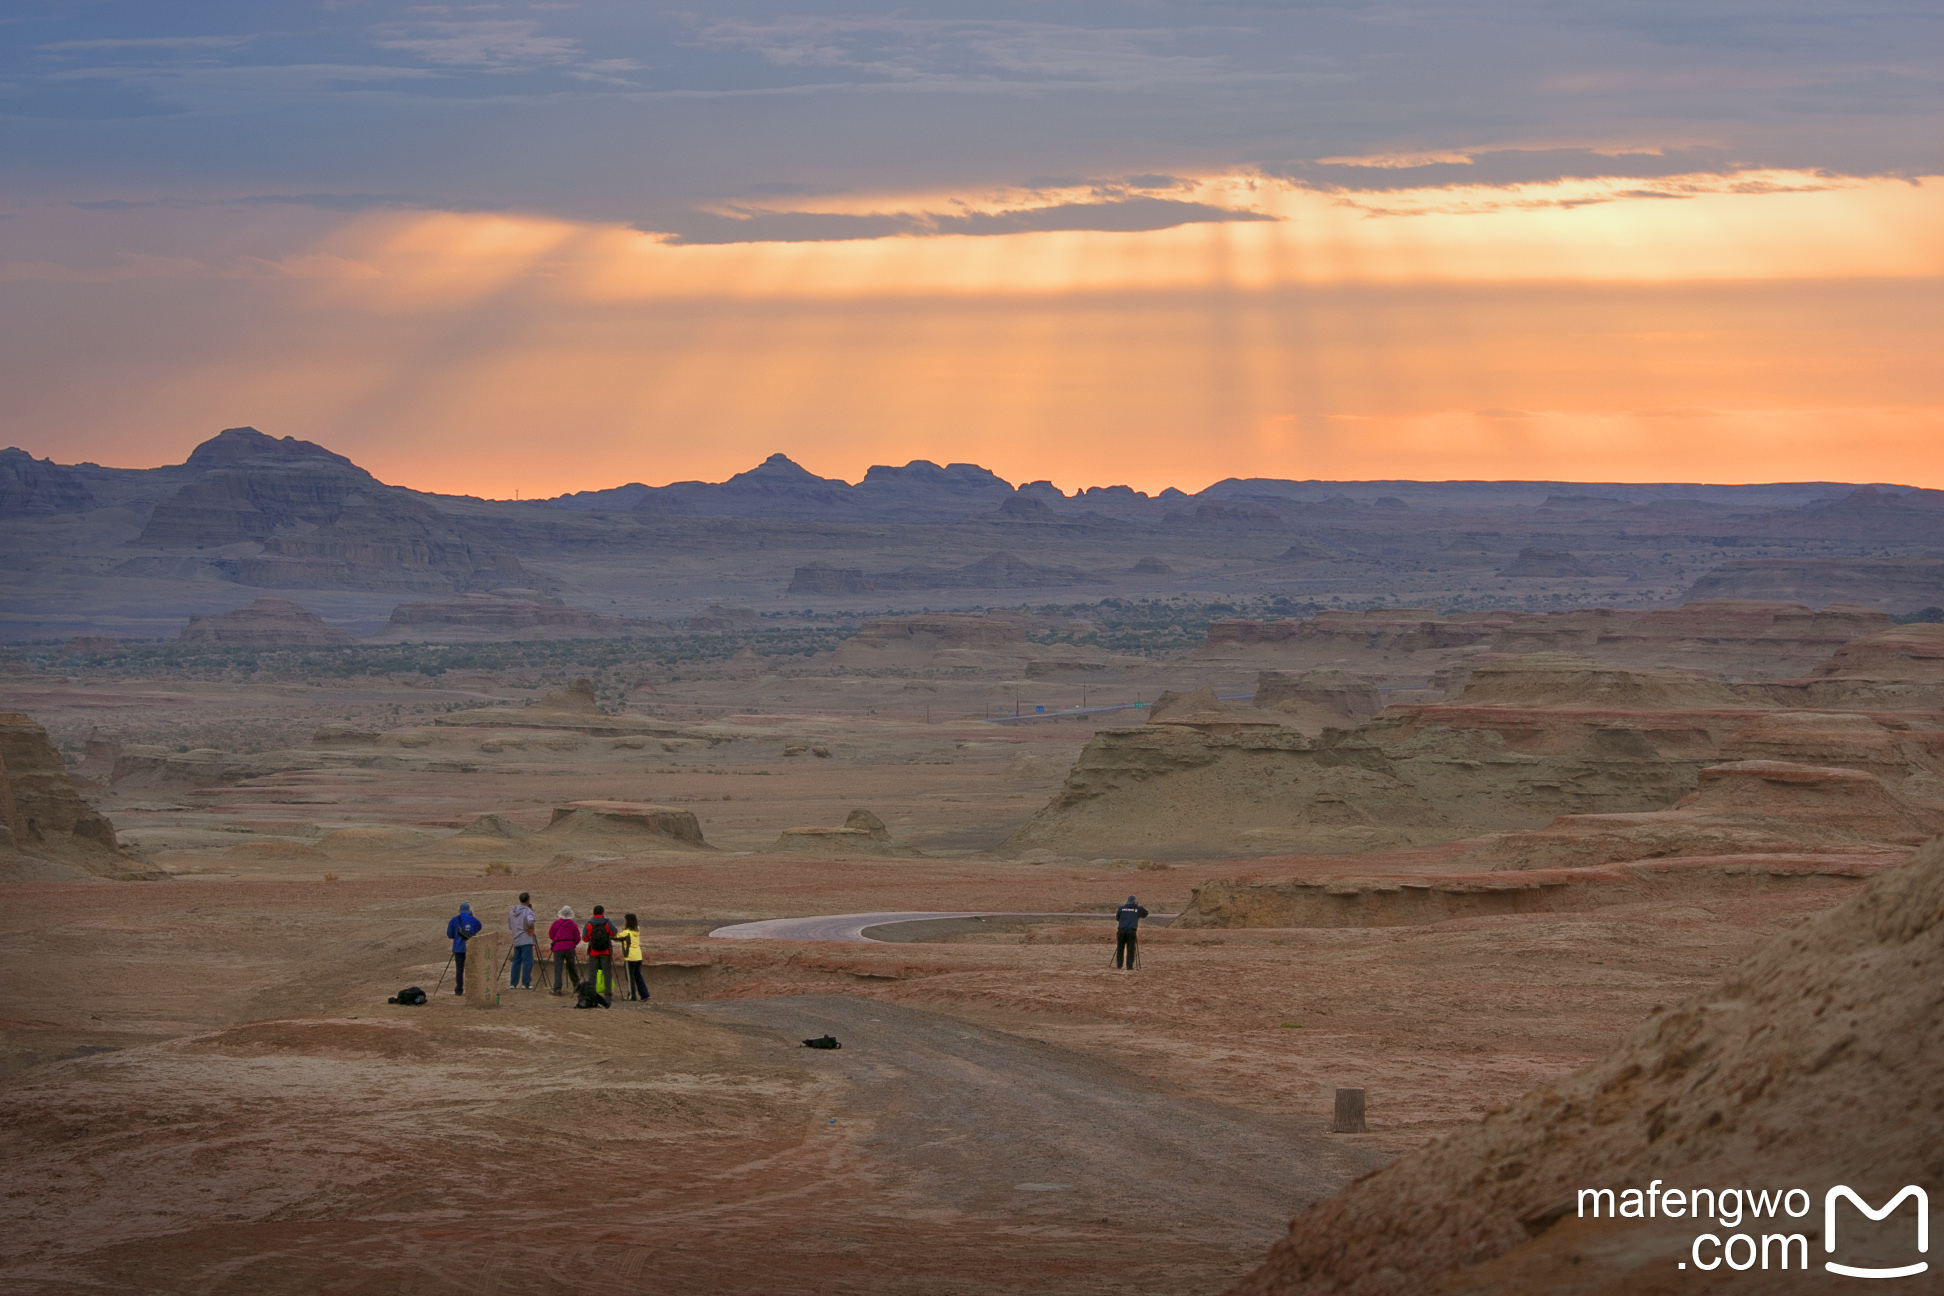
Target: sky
536,248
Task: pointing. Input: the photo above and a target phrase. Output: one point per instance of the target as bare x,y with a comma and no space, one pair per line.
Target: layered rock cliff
1532,739
44,819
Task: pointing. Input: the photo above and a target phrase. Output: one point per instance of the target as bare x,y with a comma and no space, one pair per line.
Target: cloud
990,53
358,202
1124,215
144,42
1500,168
489,44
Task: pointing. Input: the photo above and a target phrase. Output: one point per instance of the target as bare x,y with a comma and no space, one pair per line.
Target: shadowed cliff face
31,487
321,521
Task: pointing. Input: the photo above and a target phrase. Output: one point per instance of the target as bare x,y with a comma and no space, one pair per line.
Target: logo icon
1923,1230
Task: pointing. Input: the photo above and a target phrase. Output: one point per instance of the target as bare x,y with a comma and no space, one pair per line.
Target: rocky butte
265,623
293,515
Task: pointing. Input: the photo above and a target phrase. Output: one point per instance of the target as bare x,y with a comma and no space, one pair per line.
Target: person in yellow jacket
627,943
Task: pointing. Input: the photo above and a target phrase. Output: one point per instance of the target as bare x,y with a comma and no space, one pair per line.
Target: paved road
1034,1135
851,927
829,927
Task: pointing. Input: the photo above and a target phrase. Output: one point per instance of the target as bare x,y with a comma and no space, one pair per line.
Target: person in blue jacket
1127,939
461,928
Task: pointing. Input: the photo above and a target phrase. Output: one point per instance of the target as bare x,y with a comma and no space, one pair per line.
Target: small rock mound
863,834
648,827
266,623
492,825
1148,566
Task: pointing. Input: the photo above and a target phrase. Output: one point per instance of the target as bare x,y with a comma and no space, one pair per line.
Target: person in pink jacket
564,935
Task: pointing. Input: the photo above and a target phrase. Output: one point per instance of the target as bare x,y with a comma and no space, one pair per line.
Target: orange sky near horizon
1762,327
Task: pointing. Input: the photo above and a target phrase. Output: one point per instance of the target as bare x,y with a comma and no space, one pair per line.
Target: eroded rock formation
45,819
863,835
265,623
1814,1062
1413,900
628,824
1531,739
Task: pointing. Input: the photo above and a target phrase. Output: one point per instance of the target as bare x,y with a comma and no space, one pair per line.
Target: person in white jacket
519,921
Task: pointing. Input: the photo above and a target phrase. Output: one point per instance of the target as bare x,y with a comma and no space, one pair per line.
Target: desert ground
1475,861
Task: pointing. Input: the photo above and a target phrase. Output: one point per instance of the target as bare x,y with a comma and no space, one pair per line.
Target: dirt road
994,1124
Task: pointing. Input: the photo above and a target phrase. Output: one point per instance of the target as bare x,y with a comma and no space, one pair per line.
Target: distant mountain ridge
781,487
280,513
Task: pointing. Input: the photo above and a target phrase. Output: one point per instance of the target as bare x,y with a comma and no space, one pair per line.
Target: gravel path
995,1124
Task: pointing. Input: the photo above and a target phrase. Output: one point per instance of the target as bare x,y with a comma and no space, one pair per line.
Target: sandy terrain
210,1093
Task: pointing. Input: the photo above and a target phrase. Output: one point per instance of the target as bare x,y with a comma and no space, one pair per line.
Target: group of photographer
567,937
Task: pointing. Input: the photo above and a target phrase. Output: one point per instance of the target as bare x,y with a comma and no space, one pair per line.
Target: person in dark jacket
600,952
1127,940
461,928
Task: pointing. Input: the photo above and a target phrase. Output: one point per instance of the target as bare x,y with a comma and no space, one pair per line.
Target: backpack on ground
822,1042
590,997
410,996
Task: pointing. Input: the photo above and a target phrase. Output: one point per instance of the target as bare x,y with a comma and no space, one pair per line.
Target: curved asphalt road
851,927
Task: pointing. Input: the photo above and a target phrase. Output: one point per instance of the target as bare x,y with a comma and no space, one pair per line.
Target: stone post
482,971
1349,1112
